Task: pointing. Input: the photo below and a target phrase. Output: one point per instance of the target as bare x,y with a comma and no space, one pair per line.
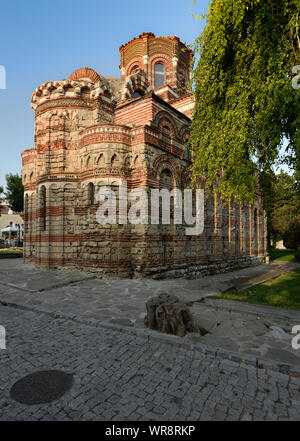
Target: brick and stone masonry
92,131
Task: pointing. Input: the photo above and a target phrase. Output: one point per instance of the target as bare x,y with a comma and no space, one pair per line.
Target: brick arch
184,131
85,72
164,162
59,116
166,60
55,186
163,118
100,159
60,87
161,58
70,186
82,86
127,160
115,160
134,82
137,61
69,114
88,161
166,179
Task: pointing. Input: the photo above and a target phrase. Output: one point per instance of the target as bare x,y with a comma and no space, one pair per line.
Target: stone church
91,131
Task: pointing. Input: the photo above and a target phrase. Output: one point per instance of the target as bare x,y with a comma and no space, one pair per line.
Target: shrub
291,239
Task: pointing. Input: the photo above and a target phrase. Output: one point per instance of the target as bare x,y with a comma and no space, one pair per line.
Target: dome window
138,94
159,75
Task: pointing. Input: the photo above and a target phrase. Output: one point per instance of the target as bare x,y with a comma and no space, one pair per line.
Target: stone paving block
123,385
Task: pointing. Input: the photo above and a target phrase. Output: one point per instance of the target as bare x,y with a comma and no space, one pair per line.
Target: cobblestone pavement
120,376
261,332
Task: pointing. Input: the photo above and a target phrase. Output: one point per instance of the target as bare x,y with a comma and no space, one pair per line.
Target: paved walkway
243,369
119,376
259,332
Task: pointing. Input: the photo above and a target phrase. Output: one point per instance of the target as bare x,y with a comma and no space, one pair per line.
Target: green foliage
245,103
283,256
14,192
1,198
291,238
282,204
8,254
282,292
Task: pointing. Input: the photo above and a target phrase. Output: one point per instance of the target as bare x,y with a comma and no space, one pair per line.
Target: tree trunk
167,314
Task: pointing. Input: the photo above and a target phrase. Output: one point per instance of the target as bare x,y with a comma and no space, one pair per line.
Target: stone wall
92,131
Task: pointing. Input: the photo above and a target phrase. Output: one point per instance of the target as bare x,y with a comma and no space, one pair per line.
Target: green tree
282,205
14,192
1,198
291,238
246,107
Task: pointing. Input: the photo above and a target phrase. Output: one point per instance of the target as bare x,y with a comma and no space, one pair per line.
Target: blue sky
47,40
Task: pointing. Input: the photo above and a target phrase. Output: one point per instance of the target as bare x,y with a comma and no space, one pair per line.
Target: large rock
165,313
205,317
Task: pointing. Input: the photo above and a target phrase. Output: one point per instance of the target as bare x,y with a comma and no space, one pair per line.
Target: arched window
114,161
137,94
166,179
91,194
134,69
43,206
100,159
159,75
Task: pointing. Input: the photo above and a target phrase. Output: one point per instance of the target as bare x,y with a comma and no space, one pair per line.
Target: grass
283,292
10,253
283,255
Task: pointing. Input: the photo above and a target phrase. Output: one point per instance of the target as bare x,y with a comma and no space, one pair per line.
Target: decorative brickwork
92,131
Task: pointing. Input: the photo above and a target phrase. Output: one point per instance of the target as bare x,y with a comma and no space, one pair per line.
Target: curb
207,350
245,308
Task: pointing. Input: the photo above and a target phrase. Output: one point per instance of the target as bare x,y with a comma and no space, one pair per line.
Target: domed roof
85,73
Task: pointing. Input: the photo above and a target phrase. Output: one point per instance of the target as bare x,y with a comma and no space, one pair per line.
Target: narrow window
159,75
91,194
43,208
